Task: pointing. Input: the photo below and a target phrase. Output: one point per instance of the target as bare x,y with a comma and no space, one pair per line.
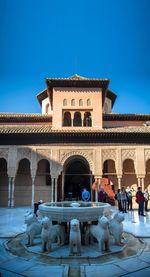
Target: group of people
125,199
102,195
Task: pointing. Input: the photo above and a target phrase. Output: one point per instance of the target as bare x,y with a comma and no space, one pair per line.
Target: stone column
119,182
91,187
33,191
55,182
72,117
52,190
139,181
12,191
62,186
142,181
9,192
82,118
97,181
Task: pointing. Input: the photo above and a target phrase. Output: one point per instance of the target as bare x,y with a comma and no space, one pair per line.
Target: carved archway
109,171
23,184
129,177
147,176
3,182
84,155
77,175
42,181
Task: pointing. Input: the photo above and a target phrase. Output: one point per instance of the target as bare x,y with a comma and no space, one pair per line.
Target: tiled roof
77,77
130,117
24,117
28,129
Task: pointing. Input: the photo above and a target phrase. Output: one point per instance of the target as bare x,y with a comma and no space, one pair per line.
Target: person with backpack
140,201
129,198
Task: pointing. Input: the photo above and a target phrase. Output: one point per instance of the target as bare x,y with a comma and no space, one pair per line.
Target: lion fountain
77,225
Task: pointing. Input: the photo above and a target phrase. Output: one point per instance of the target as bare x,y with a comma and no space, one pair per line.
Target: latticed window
88,102
65,102
73,102
80,102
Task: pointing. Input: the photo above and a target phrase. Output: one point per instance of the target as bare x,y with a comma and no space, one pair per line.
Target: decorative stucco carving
78,90
43,154
147,154
86,154
128,154
109,154
23,153
4,153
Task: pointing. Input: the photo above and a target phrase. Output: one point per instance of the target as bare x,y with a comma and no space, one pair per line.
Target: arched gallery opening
42,181
77,176
3,183
129,177
109,171
147,176
23,184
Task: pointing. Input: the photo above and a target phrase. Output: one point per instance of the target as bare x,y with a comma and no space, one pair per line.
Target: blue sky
93,38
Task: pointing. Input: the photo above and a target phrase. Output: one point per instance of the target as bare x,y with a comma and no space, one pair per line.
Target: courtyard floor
12,224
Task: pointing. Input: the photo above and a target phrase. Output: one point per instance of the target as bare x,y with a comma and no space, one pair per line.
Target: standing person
102,195
129,198
140,200
123,200
146,196
118,198
85,195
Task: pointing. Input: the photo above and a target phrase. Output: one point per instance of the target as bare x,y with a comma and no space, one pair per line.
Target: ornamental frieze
128,154
43,154
87,154
23,153
147,154
78,90
4,153
109,154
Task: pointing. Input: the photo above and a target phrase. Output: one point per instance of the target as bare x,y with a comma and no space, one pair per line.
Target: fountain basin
83,211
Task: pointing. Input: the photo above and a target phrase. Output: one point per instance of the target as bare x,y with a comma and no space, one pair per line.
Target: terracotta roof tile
28,129
24,117
77,77
130,117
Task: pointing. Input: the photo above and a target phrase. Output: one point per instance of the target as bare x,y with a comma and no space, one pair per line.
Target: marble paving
137,264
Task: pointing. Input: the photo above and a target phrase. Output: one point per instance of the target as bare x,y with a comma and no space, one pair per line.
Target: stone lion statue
75,238
116,228
34,227
100,232
51,233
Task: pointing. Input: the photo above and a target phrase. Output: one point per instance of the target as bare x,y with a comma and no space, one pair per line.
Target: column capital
97,177
141,176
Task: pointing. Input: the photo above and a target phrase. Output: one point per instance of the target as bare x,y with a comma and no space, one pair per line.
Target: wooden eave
42,95
24,118
111,95
27,134
127,117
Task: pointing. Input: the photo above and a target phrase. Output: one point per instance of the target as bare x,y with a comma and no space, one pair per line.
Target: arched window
88,102
67,119
73,102
77,119
87,122
47,109
80,102
65,102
